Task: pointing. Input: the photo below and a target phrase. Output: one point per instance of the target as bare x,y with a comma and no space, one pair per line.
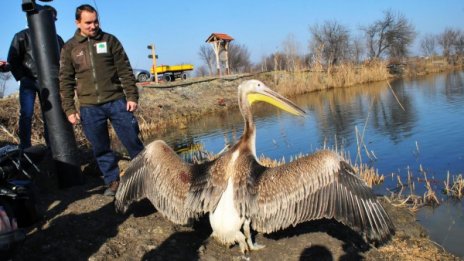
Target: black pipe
47,56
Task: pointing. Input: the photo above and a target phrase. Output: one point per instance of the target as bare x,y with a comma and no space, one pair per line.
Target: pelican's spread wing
207,187
160,175
315,187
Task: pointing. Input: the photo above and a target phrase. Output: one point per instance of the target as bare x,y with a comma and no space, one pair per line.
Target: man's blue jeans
28,90
94,121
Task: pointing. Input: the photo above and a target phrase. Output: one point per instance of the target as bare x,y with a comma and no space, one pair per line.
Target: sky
179,28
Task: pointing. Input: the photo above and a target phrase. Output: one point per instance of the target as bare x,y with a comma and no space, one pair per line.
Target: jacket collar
80,38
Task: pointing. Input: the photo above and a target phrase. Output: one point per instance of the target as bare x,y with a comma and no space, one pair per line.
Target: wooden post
216,48
226,49
153,54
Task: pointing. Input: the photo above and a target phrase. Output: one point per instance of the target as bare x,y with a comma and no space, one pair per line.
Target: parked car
142,75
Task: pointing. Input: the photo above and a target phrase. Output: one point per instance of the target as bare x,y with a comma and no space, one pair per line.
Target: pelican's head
253,91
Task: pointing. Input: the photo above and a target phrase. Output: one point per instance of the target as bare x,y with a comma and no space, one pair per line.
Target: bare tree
357,50
239,58
273,62
446,40
391,35
263,65
201,71
452,43
206,54
459,45
291,52
282,61
428,45
332,39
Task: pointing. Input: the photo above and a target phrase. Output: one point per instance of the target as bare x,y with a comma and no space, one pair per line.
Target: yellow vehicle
172,72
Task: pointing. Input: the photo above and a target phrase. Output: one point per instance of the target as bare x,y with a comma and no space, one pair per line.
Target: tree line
331,43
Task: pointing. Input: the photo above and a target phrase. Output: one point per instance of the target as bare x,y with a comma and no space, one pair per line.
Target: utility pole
154,57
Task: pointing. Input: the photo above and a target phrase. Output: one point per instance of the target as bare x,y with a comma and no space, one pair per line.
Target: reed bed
344,75
433,64
454,188
370,175
405,194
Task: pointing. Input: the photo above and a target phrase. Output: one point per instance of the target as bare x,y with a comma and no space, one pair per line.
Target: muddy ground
79,223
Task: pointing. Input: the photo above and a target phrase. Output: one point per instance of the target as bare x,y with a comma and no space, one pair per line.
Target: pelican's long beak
265,94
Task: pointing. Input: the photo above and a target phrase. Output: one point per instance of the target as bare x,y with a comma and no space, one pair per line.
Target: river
405,126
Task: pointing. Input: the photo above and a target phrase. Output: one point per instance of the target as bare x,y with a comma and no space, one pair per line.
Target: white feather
225,220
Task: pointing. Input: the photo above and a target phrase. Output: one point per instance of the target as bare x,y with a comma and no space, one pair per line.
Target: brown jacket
98,69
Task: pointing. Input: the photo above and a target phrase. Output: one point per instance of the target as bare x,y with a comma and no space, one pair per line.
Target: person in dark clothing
94,65
24,69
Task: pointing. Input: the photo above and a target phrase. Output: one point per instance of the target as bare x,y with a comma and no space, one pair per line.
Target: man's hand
74,118
4,66
131,106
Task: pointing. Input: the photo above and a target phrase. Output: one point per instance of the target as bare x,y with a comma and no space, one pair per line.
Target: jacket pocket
81,59
83,89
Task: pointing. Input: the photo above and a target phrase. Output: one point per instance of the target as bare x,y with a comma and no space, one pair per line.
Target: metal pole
61,135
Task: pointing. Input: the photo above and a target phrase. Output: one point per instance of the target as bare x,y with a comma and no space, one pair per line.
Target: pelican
239,193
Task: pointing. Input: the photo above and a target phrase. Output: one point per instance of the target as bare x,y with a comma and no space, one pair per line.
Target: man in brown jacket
95,66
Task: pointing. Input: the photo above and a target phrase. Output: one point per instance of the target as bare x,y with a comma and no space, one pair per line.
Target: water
410,125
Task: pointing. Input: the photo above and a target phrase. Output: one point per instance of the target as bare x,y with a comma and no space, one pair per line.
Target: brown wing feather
315,187
207,187
160,175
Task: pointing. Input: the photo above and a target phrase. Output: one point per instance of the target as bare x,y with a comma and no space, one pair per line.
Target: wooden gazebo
220,43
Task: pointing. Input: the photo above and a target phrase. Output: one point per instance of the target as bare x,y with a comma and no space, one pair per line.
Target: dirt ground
79,223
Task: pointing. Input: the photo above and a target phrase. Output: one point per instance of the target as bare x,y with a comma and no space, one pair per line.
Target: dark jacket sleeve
124,71
60,43
15,56
67,81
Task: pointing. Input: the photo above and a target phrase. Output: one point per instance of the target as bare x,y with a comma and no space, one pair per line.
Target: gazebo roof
219,36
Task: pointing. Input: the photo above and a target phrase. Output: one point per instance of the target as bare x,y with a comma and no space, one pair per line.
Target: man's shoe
112,188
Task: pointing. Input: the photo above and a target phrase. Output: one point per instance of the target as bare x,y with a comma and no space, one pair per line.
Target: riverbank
174,104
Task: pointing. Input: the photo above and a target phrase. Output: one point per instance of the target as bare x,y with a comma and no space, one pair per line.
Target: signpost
154,57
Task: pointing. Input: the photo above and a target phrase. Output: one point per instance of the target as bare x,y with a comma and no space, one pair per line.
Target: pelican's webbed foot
247,232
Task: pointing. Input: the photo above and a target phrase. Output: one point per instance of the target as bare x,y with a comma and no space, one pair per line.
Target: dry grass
370,175
405,195
9,119
268,162
455,188
412,249
344,75
422,66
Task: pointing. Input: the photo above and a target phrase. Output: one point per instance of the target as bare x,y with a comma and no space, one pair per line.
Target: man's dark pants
94,121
